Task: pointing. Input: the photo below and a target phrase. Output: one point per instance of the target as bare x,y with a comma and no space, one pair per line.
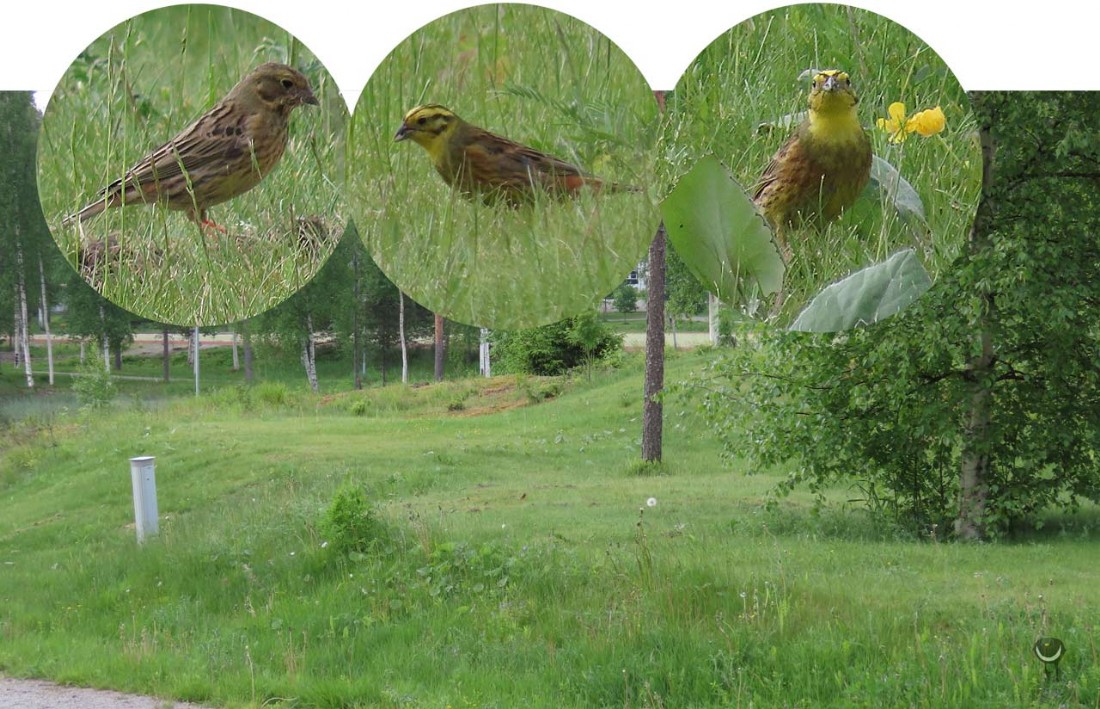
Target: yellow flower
928,122
895,125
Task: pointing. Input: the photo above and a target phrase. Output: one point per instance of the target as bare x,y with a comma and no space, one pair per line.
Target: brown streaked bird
824,165
482,164
223,154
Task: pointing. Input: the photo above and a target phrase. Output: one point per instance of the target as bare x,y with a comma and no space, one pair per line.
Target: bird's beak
402,133
308,97
831,84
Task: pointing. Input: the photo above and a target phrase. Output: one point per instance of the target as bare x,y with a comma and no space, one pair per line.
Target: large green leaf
887,180
720,235
866,296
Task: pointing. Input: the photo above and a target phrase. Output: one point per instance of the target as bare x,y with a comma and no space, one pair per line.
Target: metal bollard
144,479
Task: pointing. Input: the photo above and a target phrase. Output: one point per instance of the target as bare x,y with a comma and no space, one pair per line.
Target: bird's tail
87,213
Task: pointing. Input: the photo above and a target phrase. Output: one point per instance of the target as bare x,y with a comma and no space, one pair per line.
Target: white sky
1045,45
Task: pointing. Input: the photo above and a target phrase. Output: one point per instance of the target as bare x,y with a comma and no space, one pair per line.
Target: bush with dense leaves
554,349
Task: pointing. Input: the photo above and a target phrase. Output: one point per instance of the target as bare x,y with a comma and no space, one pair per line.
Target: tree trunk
440,347
236,353
309,355
975,463
356,335
652,414
106,344
483,354
116,355
712,319
194,348
247,345
166,356
46,319
24,325
401,337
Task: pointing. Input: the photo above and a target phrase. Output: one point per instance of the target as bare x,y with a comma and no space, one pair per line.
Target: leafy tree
90,315
625,298
974,409
554,349
24,237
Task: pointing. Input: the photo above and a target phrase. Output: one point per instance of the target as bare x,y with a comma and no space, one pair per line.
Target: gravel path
36,694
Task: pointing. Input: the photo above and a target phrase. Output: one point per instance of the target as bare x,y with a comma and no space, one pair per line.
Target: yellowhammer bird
822,168
225,153
479,163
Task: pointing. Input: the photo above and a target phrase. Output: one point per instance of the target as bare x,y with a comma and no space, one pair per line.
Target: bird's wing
503,163
208,141
772,171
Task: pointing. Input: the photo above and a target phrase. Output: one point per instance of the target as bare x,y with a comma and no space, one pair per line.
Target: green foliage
891,409
866,296
554,349
719,234
120,98
93,385
625,298
572,94
741,96
349,524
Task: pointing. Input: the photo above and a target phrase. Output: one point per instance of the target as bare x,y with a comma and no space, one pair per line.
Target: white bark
712,318
22,323
309,355
401,336
236,356
46,319
195,357
483,353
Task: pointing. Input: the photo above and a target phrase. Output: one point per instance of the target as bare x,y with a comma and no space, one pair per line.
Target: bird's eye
421,121
288,84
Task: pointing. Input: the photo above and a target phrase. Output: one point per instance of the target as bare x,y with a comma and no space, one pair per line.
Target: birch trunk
45,305
401,337
23,324
975,463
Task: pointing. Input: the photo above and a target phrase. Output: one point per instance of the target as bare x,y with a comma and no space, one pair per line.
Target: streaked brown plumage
479,163
824,165
224,153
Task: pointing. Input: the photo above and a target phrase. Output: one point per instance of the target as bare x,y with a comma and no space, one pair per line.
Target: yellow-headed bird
479,163
824,165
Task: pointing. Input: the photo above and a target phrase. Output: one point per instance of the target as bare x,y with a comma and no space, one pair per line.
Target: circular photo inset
501,169
855,153
190,165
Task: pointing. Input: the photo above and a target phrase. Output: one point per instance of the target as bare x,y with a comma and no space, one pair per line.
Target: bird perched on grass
824,165
479,163
224,153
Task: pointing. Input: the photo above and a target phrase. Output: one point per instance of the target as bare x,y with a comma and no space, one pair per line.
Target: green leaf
867,296
888,181
719,234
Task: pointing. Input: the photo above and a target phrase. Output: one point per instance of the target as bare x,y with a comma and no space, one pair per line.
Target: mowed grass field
518,556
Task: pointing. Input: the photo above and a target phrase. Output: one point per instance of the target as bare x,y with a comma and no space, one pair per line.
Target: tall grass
542,79
135,88
742,95
515,566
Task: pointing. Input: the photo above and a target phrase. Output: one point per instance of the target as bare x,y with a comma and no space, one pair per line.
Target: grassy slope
518,568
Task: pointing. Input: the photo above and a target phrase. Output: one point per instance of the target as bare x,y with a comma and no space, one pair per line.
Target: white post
144,479
483,353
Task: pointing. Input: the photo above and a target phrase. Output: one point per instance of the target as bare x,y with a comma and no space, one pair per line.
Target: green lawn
518,563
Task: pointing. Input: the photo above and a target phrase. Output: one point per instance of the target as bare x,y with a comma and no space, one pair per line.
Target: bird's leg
204,222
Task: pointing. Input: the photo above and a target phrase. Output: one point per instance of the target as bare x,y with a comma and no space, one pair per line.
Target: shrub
554,349
349,524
